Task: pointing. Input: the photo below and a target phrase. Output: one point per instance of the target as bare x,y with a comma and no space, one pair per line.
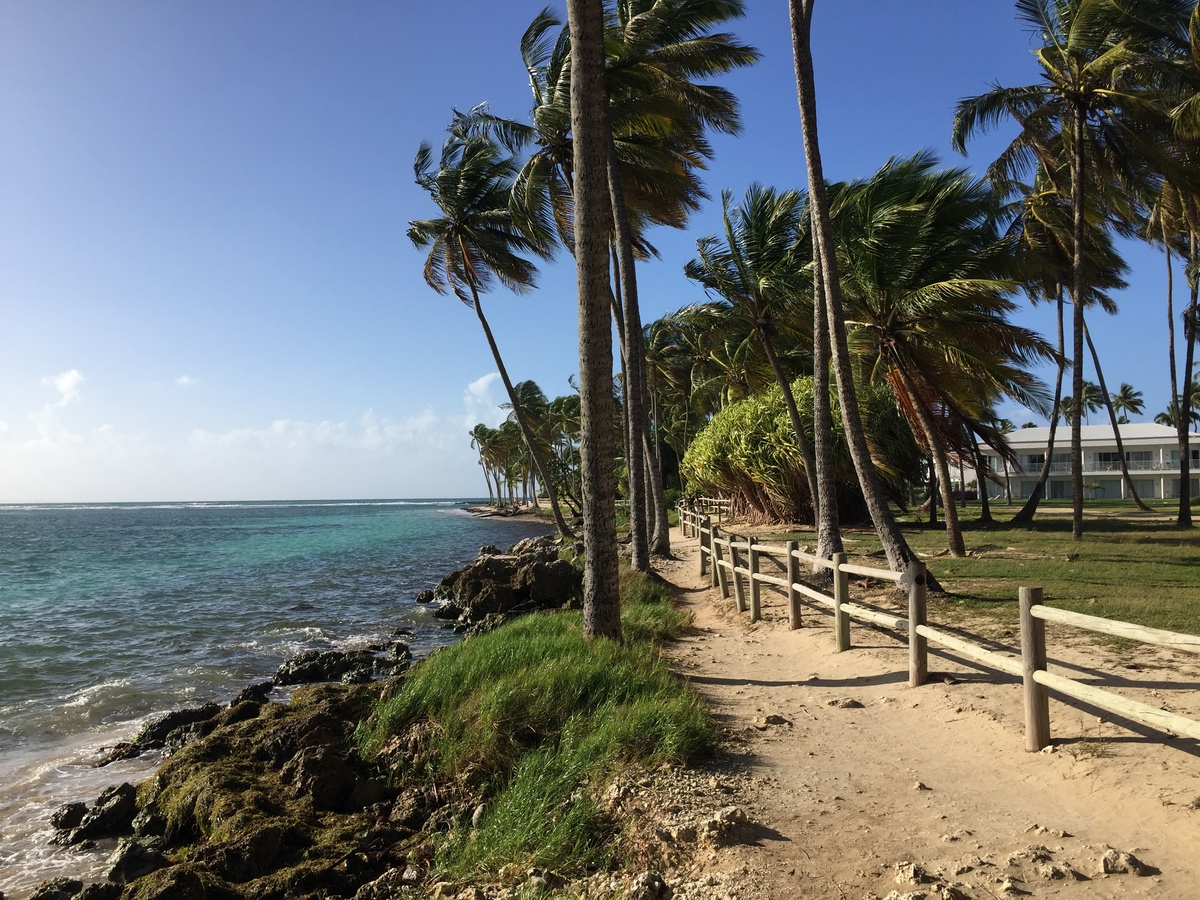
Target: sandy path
935,775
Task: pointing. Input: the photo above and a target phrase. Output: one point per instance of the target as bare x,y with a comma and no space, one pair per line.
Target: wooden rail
734,564
1038,681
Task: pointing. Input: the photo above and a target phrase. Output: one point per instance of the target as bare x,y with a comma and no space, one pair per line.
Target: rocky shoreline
270,799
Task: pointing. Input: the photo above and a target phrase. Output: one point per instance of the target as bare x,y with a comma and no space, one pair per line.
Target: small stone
1118,862
844,703
921,786
477,815
909,873
1055,872
1034,853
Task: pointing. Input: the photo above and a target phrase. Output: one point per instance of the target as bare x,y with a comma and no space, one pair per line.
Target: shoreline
43,771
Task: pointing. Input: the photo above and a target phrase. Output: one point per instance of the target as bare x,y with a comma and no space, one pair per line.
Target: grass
1134,567
532,719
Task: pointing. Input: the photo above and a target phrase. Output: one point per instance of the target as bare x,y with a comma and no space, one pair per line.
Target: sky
206,290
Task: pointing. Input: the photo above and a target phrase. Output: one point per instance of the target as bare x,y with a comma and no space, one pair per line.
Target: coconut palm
756,268
590,142
475,243
926,277
895,547
1126,401
1091,48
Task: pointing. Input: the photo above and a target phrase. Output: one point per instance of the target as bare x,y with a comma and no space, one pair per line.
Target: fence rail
734,564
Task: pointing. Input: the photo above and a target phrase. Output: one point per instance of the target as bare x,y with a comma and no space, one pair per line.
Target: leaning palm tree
1092,52
475,243
756,268
927,279
895,547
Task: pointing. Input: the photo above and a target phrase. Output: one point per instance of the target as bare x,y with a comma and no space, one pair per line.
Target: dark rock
58,889
135,857
98,891
322,773
449,611
549,583
112,815
488,550
426,596
285,740
255,692
149,823
529,577
312,666
175,883
253,853
411,810
156,732
239,712
68,816
544,548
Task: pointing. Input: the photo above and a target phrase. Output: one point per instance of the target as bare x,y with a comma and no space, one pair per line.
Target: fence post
735,560
918,646
755,586
705,542
1033,659
841,594
793,575
720,578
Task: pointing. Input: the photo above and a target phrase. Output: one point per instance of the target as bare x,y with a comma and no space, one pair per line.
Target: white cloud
67,384
427,454
187,381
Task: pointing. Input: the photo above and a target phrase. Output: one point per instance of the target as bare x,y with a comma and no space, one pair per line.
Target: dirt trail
864,774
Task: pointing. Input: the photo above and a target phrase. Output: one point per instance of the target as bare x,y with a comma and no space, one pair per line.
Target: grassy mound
530,719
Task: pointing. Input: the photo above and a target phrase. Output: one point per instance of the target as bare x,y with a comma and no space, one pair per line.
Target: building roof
1134,433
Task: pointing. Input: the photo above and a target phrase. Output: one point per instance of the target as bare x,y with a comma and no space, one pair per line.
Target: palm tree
475,243
1090,48
898,553
590,134
926,277
755,267
1126,401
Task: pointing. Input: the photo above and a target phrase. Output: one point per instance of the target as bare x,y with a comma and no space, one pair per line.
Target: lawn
1131,566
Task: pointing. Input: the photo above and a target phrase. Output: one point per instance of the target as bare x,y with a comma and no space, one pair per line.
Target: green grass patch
532,718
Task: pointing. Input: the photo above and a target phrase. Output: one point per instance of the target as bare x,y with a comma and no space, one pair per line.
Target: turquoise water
112,613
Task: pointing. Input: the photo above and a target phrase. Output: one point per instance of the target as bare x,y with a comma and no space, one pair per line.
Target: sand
862,777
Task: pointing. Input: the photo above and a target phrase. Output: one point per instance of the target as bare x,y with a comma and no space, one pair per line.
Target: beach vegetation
532,721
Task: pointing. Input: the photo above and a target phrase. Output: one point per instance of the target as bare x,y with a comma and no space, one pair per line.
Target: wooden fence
737,564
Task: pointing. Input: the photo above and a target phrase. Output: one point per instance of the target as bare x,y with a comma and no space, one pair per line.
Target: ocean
111,614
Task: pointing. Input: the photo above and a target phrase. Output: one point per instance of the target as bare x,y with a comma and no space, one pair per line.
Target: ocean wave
89,695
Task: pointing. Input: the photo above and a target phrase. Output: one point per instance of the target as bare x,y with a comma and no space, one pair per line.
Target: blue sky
206,291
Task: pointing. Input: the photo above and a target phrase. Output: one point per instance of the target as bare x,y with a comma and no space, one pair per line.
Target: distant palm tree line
905,278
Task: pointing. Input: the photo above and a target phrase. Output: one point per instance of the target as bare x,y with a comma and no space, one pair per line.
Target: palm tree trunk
1112,417
981,481
937,455
622,280
898,553
1025,516
1078,299
559,521
635,374
789,400
589,125
1184,407
829,532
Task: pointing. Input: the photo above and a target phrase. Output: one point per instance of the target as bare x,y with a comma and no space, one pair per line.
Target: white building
1151,452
